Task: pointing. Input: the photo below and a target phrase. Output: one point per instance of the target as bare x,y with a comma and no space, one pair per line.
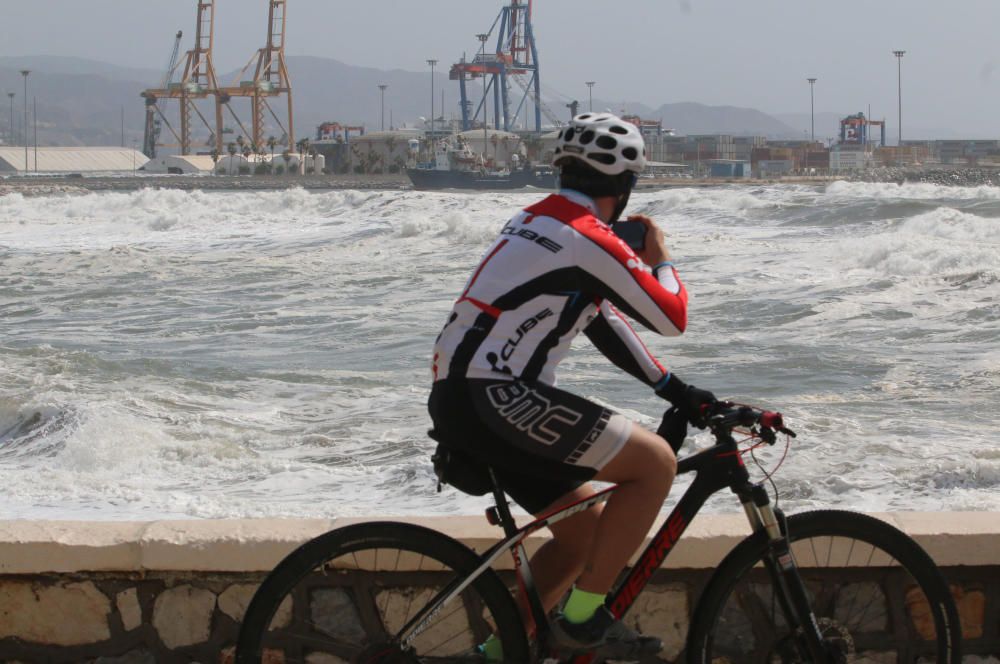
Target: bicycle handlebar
724,416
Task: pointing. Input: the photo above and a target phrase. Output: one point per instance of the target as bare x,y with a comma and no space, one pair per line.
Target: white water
172,354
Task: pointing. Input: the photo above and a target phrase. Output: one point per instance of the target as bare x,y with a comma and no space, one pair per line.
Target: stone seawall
176,591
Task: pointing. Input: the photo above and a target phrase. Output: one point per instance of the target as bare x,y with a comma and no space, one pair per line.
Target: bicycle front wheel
350,596
876,595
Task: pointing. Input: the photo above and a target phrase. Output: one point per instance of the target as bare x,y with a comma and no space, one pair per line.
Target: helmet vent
569,135
586,137
602,157
606,142
630,153
616,129
586,116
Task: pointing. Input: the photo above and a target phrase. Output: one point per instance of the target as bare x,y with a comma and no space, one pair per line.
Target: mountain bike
820,586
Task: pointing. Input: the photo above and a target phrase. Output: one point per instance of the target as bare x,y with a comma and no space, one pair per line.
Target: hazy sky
754,53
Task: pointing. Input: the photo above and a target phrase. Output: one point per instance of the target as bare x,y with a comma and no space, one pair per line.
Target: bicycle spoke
866,584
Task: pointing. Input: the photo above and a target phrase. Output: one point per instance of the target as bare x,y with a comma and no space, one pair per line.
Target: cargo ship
456,166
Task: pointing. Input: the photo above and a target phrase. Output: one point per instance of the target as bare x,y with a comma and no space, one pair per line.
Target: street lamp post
482,37
432,63
812,110
590,90
899,79
12,95
382,88
24,73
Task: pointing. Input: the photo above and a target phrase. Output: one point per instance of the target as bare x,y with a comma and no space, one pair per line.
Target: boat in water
456,166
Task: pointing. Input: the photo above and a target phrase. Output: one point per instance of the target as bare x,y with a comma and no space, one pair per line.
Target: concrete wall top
254,545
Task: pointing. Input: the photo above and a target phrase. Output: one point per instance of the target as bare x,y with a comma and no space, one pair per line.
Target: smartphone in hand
632,232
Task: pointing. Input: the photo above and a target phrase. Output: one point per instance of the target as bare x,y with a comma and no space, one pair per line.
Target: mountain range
81,102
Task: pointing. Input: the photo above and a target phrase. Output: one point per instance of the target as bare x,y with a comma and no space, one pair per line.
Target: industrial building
180,165
70,160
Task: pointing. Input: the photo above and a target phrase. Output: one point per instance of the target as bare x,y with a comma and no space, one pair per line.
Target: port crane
197,81
154,123
515,56
269,79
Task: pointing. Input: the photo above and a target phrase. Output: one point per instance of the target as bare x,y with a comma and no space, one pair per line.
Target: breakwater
951,177
176,591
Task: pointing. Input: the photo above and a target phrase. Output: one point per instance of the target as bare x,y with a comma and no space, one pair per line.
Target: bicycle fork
790,592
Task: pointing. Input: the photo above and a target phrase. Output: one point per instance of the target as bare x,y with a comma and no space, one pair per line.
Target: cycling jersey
556,270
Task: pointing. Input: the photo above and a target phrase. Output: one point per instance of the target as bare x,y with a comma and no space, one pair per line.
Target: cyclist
558,269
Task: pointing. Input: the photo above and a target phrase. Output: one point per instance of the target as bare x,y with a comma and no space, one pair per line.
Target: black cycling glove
673,428
687,399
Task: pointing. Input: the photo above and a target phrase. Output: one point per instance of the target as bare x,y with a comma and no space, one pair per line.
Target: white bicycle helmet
604,142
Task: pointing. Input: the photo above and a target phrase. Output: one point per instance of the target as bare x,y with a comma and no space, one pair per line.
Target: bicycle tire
877,606
348,586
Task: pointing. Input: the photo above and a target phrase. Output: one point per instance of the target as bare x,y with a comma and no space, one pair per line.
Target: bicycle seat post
499,514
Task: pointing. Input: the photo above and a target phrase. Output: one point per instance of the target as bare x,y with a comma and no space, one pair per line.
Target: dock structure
515,58
263,78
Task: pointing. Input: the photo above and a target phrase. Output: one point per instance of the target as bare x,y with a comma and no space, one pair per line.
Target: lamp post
432,63
11,95
24,73
590,90
482,37
812,110
382,88
899,79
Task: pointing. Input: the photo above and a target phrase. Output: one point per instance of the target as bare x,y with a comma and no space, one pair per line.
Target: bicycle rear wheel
877,596
346,595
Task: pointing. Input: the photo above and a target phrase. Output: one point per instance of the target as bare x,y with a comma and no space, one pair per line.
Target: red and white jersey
557,270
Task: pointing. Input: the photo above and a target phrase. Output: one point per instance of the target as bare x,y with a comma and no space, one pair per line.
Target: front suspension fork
790,591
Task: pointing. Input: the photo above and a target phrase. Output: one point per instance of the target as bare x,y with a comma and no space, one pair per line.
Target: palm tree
232,153
287,156
271,143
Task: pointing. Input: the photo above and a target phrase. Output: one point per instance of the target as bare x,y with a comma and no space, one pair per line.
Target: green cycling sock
492,648
582,605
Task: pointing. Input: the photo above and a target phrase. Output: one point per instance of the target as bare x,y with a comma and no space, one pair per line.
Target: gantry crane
270,79
516,56
153,124
198,81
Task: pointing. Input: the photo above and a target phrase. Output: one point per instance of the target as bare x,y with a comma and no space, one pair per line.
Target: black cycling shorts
542,442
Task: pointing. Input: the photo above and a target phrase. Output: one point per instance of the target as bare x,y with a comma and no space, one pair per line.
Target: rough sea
166,354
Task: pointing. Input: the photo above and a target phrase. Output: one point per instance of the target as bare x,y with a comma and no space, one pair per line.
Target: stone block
69,614
971,606
228,656
863,607
129,609
233,601
333,612
662,611
182,616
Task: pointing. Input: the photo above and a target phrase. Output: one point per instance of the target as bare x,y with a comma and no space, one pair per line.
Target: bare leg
644,470
558,562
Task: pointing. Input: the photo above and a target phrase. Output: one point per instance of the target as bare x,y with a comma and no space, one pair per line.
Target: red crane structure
197,82
514,59
270,79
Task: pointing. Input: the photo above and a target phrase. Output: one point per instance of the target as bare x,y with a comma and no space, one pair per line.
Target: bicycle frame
717,468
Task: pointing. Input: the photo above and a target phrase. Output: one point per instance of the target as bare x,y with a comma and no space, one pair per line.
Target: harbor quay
176,591
60,185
